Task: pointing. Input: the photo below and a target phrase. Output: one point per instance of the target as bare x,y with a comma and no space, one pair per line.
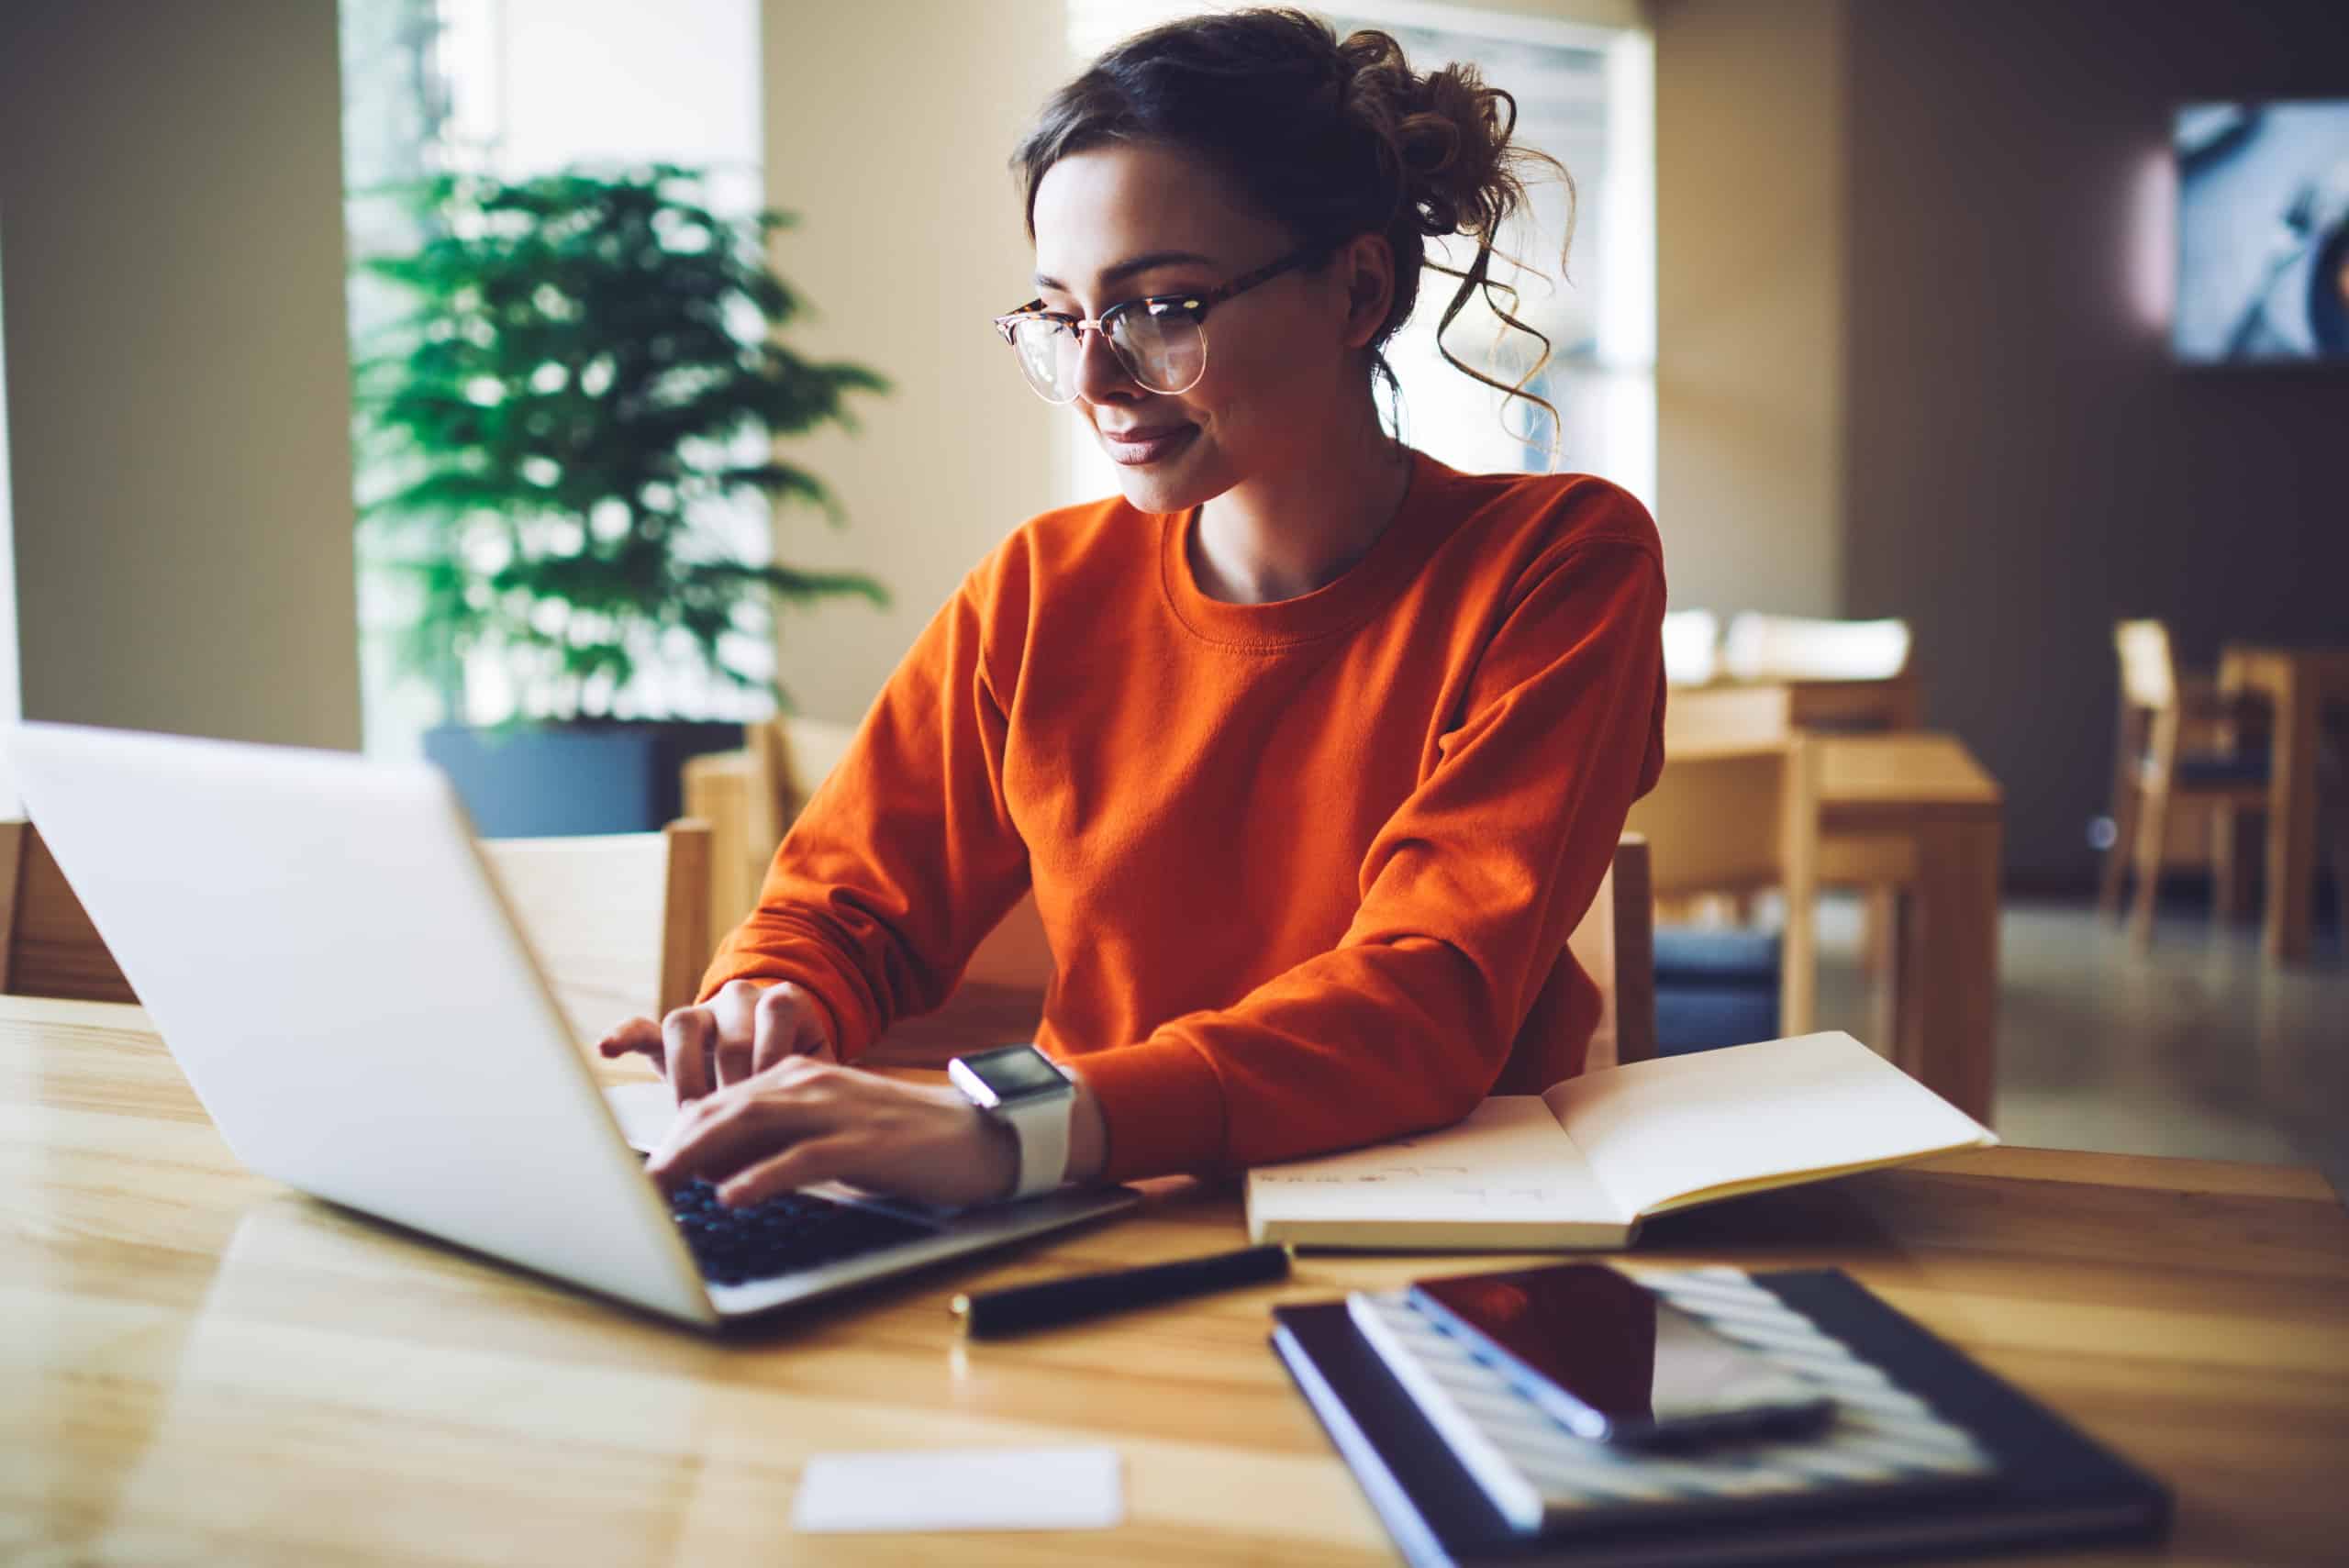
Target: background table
1915,814
2298,684
200,1366
1896,702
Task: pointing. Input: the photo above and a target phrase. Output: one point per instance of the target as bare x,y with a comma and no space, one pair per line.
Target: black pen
1026,1307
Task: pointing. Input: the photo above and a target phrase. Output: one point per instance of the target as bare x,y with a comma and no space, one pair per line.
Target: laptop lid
321,948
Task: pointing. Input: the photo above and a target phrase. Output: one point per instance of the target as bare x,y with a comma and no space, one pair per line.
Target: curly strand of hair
1476,201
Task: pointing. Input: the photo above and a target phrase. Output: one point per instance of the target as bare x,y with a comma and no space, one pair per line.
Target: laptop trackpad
644,1111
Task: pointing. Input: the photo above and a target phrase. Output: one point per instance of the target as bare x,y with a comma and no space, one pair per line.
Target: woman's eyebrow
1112,276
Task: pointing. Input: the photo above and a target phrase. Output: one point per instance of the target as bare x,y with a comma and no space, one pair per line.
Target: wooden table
2298,684
200,1366
1893,703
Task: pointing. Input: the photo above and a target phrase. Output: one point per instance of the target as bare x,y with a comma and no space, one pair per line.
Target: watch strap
1040,1129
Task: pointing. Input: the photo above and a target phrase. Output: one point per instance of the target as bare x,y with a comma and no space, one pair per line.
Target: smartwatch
1025,1090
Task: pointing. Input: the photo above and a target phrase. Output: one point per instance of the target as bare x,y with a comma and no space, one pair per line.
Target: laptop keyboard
781,1236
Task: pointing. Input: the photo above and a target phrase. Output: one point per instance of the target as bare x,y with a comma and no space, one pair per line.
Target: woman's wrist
1088,1145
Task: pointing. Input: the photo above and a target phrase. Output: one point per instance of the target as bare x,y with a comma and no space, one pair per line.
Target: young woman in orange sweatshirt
1312,748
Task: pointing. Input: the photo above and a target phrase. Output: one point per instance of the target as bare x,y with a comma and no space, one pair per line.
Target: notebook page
1507,1162
1661,1133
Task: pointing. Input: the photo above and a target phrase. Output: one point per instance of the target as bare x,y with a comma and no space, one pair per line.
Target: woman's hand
739,1032
802,1121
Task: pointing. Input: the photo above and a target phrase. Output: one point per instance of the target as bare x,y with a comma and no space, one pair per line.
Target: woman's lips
1148,444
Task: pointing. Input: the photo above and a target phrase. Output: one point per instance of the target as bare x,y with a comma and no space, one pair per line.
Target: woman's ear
1366,266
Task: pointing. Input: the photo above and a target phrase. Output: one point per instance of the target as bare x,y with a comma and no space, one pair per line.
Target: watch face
1017,1073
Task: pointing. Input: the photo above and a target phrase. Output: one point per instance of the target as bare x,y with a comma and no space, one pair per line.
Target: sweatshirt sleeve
1469,892
904,858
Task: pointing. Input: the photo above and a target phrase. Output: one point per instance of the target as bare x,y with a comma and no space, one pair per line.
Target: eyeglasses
1161,340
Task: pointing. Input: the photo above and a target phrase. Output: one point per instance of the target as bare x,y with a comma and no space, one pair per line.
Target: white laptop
326,956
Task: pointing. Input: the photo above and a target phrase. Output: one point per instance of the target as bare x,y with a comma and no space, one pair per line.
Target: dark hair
1332,138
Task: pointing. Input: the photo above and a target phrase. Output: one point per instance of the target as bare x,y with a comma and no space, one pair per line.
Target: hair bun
1452,140
1447,132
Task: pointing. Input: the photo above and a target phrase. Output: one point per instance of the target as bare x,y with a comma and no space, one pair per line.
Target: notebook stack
1928,1453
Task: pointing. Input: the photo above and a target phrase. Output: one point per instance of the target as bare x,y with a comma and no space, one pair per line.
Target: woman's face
1128,220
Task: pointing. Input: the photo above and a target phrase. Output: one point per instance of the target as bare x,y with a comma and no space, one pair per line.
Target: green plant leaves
589,361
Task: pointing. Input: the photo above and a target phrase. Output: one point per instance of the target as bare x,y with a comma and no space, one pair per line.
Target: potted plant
558,439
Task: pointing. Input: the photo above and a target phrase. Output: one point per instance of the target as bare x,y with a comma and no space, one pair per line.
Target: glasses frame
1194,305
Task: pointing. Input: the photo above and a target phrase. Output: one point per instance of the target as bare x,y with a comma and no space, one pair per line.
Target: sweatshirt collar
1346,601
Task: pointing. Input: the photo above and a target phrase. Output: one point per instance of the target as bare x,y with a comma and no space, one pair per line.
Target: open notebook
1585,1163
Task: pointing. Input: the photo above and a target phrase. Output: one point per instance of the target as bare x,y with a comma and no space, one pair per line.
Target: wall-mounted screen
2263,232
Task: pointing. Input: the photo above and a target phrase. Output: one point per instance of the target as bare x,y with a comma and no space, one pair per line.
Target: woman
1312,748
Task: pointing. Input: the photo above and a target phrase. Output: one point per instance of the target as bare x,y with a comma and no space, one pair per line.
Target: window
515,88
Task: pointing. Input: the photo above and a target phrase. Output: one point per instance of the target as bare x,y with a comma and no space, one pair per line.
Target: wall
1750,398
888,128
170,201
12,702
2023,464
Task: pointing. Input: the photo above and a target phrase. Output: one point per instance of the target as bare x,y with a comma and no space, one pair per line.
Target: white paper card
935,1489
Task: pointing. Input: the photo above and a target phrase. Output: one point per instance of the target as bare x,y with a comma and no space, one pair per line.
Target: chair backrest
750,797
48,945
2148,664
1796,648
619,922
794,756
1691,646
1615,945
1740,819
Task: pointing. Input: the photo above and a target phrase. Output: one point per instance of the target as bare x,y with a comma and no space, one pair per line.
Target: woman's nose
1100,374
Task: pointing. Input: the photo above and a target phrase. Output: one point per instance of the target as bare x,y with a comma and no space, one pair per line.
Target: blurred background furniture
1777,674
619,922
48,945
1917,814
1738,818
2301,685
750,797
1615,944
1691,646
1910,815
1758,646
2180,745
1839,674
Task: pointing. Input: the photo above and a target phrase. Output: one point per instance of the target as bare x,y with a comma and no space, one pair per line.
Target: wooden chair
749,798
1743,820
48,945
1615,944
2179,742
1796,648
619,922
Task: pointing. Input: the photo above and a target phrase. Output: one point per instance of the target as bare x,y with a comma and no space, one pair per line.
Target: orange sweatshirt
1308,868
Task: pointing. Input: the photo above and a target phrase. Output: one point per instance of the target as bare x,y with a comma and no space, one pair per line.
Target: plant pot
550,781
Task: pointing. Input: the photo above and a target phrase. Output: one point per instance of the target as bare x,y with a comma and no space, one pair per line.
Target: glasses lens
1047,358
1161,344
